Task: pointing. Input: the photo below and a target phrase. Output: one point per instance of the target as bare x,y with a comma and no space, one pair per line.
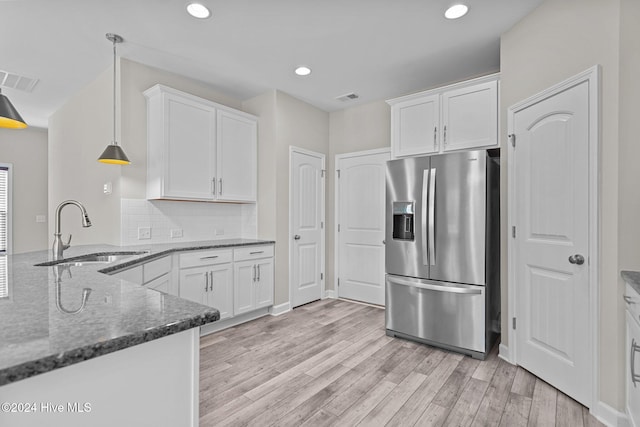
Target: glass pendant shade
9,116
114,155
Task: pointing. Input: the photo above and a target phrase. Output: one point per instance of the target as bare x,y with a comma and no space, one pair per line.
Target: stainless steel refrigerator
443,250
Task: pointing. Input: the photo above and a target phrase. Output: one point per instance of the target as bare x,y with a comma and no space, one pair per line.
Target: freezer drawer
443,314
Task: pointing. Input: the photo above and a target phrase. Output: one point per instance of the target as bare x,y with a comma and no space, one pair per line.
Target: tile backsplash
196,220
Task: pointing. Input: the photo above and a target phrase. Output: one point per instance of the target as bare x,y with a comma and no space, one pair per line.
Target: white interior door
361,225
307,221
552,187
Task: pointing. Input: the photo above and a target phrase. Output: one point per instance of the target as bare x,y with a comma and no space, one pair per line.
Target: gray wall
556,41
26,149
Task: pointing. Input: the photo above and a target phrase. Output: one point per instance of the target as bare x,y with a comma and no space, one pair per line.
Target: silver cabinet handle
206,281
432,217
469,289
213,186
435,136
220,186
635,378
445,135
211,281
254,273
258,272
209,257
576,259
256,252
296,237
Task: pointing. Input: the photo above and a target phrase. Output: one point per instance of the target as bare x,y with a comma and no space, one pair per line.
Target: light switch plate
144,233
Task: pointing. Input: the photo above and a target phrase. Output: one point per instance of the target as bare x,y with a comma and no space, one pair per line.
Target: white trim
592,76
610,416
322,157
330,293
279,309
440,89
505,354
336,208
9,166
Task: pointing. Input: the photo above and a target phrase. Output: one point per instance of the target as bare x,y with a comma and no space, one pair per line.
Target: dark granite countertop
40,333
632,278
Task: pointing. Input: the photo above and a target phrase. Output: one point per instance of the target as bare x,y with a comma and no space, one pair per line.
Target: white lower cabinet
253,278
160,284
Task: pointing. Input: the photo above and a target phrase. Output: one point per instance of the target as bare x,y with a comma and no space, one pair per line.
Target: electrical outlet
219,231
176,233
144,233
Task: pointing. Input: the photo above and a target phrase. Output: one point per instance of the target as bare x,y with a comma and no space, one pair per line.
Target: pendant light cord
114,92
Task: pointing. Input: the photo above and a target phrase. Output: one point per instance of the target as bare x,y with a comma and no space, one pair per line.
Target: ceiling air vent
16,81
347,97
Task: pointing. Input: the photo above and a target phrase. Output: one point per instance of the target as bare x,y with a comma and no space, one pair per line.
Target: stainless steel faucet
58,245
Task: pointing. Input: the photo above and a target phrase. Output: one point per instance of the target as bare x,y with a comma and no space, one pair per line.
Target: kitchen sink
97,258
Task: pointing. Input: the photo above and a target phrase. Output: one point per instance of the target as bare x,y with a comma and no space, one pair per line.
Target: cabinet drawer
156,268
200,258
252,252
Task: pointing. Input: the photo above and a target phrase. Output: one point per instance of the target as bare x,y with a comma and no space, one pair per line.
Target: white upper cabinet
237,157
414,126
199,150
456,117
470,117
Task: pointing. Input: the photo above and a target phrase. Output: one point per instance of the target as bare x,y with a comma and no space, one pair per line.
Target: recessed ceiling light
198,10
303,71
456,11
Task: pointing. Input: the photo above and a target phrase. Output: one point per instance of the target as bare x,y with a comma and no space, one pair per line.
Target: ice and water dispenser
403,220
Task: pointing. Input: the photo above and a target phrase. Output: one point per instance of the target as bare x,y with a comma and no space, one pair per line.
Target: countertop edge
80,354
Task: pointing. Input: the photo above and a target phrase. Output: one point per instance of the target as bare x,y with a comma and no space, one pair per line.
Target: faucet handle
66,245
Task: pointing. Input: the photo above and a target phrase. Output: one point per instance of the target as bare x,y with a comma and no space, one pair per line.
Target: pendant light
9,116
114,154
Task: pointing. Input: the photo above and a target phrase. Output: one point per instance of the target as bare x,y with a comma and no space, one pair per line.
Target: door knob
296,237
576,259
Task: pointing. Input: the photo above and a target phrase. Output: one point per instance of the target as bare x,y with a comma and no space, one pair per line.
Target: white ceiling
376,48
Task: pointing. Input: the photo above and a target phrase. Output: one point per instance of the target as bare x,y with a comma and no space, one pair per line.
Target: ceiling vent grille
347,97
16,81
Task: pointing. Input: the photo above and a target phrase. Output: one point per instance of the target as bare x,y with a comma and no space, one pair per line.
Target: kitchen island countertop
40,331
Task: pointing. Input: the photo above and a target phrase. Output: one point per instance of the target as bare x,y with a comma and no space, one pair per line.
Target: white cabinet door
190,163
415,126
237,157
470,117
264,283
244,274
220,293
133,275
194,283
633,370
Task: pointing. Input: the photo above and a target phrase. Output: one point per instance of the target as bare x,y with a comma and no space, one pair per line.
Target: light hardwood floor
330,363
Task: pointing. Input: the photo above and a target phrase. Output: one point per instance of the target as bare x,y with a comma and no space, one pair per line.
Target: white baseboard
236,320
330,293
609,416
279,309
505,354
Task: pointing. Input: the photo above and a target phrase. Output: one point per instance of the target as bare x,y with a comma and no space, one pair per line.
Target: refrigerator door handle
425,236
436,287
432,217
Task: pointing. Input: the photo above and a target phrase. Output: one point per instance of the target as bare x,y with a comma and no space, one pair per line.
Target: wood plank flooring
330,363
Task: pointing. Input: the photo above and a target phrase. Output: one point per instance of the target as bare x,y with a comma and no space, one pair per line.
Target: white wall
26,149
558,40
284,121
360,128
